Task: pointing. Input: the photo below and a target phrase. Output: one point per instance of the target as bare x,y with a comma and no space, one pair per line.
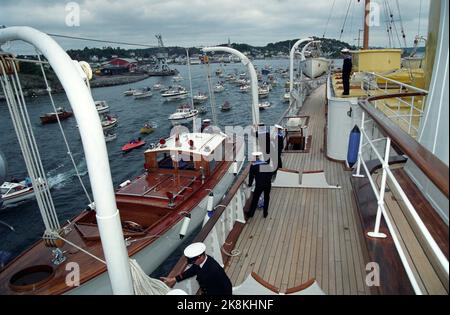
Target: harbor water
67,193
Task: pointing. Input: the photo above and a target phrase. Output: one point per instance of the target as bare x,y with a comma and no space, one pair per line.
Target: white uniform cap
257,154
345,50
278,126
176,292
206,120
194,250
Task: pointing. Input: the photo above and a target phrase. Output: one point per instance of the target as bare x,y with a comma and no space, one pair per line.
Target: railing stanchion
376,233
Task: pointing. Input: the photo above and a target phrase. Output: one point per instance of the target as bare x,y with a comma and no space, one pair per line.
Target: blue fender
353,146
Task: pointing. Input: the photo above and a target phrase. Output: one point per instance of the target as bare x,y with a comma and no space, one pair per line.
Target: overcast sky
208,22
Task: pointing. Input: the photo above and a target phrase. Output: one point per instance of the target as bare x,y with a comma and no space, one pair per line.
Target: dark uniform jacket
347,67
262,178
211,277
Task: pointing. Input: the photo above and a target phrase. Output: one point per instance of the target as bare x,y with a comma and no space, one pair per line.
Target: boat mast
366,25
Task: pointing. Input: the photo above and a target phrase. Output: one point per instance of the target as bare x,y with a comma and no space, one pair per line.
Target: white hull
176,97
156,253
314,67
18,198
182,120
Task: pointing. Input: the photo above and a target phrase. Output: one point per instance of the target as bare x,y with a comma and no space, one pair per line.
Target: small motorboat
184,114
230,78
129,92
244,88
14,191
286,97
202,110
200,98
144,93
218,88
53,117
226,107
133,144
109,122
147,129
175,93
102,107
177,78
264,105
263,92
157,87
110,136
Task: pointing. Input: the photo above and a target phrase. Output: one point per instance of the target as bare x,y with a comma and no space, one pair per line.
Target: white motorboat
102,107
183,115
110,137
157,87
244,88
109,122
177,78
144,93
314,67
263,92
218,88
264,105
129,92
175,93
286,97
12,193
200,98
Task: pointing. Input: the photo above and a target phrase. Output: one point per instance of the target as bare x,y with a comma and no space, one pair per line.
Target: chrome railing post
376,233
358,166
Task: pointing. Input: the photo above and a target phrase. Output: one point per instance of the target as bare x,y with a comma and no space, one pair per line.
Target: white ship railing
367,143
216,230
413,113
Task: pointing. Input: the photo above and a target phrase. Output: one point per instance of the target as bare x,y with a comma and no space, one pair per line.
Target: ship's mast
366,25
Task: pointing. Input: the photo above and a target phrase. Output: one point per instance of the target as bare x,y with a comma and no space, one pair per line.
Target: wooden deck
309,233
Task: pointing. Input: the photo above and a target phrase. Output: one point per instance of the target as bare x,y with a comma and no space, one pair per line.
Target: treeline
331,47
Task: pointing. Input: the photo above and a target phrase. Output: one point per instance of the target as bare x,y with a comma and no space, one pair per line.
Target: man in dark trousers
346,70
210,275
280,144
260,172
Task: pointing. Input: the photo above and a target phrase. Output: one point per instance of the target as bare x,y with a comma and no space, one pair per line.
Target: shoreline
96,82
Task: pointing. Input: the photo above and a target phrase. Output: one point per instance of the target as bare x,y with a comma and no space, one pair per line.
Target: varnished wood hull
149,253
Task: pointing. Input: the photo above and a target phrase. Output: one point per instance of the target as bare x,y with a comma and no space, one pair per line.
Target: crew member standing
280,144
260,172
210,275
346,70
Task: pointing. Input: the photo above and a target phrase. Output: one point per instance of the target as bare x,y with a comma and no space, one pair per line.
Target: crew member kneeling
210,275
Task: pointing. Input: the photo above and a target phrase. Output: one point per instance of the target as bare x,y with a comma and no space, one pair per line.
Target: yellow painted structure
377,60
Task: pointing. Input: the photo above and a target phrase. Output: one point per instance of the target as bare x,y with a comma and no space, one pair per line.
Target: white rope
39,170
142,283
21,122
69,152
211,94
145,285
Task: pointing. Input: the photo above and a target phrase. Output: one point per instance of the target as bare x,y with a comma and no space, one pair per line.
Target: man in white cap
346,70
263,183
210,275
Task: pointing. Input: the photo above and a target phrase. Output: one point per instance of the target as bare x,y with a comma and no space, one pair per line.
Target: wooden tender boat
152,210
52,117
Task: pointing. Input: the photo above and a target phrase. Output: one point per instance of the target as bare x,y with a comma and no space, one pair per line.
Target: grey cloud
204,22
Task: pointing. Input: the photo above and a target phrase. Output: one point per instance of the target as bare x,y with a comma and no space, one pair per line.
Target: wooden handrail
428,163
182,262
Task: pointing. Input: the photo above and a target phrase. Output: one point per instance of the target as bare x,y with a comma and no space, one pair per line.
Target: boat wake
57,178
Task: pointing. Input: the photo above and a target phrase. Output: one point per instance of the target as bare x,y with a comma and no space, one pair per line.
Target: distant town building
119,66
